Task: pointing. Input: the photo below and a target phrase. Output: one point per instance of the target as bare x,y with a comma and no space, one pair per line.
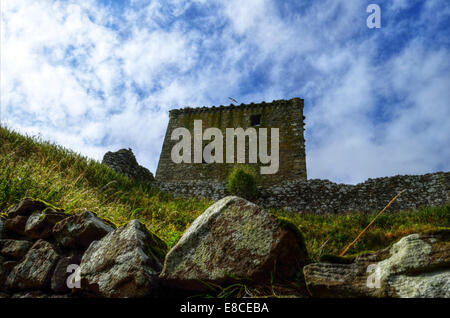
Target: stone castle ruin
124,162
286,115
287,189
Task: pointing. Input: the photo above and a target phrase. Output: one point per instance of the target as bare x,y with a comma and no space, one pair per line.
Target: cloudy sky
101,75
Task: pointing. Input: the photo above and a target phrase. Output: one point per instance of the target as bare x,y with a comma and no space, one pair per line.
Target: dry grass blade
322,246
370,224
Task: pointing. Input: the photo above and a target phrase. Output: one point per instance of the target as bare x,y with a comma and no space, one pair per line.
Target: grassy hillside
30,167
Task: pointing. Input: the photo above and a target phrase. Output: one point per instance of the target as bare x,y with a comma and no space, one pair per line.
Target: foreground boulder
34,272
415,266
234,238
125,263
79,231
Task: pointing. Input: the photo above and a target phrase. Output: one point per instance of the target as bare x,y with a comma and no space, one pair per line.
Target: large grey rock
125,263
79,231
234,238
40,224
124,162
34,272
15,249
415,266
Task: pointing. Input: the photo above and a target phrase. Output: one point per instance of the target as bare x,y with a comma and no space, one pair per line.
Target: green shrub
243,182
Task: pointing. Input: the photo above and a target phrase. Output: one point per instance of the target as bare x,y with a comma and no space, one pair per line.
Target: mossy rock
288,225
157,246
29,205
106,220
48,206
442,232
346,259
232,240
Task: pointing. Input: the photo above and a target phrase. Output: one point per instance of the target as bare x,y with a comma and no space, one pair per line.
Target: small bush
243,182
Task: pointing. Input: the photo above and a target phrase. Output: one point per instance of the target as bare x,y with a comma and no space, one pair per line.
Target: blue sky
101,75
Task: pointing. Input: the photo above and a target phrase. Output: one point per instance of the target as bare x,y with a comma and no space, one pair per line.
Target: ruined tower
286,115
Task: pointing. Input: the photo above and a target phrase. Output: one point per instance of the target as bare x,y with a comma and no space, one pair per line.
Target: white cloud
400,4
94,78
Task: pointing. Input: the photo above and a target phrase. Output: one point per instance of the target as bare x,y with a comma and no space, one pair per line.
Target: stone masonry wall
287,115
324,196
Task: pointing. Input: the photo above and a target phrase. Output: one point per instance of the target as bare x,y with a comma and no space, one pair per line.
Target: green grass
329,234
30,167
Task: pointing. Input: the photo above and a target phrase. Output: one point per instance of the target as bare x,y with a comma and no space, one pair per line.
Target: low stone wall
46,253
324,196
214,190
